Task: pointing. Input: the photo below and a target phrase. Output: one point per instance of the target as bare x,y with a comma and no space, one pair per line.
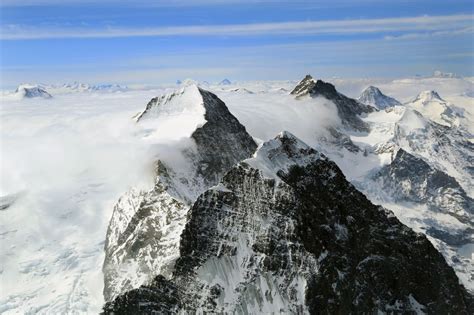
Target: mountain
423,172
284,232
374,97
449,149
348,109
85,87
32,91
144,231
225,82
304,86
410,178
440,74
432,106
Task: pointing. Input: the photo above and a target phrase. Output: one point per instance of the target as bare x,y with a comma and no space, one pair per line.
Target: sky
159,42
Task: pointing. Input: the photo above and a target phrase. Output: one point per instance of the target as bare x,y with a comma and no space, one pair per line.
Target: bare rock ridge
143,234
304,86
285,232
348,109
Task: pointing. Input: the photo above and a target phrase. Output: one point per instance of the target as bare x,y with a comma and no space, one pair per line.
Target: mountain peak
225,82
373,89
325,89
304,86
145,228
441,74
182,108
428,96
31,91
374,97
348,108
281,152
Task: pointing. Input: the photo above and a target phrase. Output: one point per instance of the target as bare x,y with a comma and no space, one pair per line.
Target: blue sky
154,42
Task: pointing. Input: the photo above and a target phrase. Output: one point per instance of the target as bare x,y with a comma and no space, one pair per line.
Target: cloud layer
430,24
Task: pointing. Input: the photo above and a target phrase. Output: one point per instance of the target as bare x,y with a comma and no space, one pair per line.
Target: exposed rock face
143,235
304,86
348,108
409,178
284,232
374,97
32,91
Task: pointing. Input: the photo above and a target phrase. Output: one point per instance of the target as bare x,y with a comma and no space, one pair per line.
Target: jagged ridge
285,232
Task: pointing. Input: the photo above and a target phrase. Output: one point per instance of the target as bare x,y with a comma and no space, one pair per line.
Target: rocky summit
144,231
348,109
285,232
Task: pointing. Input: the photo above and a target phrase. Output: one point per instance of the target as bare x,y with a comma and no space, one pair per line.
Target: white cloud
354,26
466,30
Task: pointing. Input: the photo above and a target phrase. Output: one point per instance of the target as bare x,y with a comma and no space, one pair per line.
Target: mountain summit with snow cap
374,97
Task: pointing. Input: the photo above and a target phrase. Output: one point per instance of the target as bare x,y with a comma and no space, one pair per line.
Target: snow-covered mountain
225,82
194,218
284,232
409,178
374,97
432,106
144,232
31,91
441,74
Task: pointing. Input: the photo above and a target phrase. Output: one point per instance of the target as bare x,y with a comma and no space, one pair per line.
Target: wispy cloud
386,26
460,31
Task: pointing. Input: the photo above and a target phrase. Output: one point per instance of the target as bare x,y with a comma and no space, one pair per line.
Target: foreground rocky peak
374,97
284,232
143,234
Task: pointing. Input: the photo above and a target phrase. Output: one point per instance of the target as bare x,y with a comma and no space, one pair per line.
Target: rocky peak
280,153
348,108
306,243
326,89
304,86
143,234
374,97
